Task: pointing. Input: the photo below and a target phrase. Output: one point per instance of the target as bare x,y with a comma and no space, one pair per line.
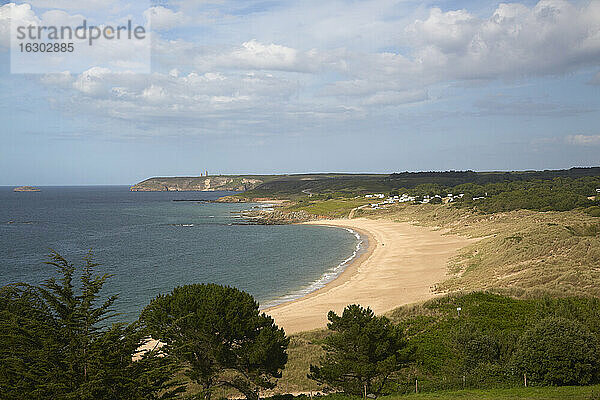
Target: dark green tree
221,337
55,342
558,351
30,363
363,350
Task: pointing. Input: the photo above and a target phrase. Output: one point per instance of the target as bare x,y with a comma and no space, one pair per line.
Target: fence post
416,385
464,382
525,378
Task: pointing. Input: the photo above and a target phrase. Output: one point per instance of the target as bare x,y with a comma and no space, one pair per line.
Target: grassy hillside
536,258
523,393
332,208
451,351
541,393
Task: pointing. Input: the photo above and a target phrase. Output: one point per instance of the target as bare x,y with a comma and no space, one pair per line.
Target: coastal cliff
204,184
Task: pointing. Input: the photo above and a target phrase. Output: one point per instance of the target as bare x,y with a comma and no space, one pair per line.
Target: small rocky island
26,189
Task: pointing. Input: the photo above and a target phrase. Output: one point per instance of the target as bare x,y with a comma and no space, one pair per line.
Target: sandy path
401,265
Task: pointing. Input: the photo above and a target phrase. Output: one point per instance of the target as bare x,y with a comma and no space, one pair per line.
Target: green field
539,393
332,208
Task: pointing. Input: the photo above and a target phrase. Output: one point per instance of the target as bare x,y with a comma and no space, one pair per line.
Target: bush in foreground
218,333
362,352
55,343
558,351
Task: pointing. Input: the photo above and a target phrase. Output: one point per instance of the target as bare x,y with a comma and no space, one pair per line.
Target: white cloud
253,55
449,30
162,19
91,81
64,79
155,94
256,55
115,54
396,98
515,41
79,5
552,37
61,18
19,14
314,63
196,97
584,140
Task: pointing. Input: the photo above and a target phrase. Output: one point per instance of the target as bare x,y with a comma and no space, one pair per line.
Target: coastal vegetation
56,342
523,393
518,316
559,194
220,337
362,352
347,185
482,340
330,208
521,253
340,196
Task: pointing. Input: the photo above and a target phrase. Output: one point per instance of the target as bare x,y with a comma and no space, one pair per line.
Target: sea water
151,243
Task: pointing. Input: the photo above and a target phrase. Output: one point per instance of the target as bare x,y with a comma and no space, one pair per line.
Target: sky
241,87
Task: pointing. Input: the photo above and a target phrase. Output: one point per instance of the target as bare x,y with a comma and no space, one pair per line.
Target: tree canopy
55,343
220,335
363,350
558,351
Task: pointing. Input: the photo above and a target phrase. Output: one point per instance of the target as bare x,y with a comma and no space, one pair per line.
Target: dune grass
525,253
303,350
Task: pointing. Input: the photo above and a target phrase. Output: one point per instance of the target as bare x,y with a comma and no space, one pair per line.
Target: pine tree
220,335
55,342
362,352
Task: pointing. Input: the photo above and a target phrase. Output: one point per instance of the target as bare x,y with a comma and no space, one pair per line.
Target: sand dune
401,265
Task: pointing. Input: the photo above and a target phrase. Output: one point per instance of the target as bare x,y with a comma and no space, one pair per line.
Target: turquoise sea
152,244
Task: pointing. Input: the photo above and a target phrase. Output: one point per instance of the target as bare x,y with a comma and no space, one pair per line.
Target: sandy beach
401,265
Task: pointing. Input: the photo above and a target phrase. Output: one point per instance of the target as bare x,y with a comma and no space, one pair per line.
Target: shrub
558,351
594,211
362,352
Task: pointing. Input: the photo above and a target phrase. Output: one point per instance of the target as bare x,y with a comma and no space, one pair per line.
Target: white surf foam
327,276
